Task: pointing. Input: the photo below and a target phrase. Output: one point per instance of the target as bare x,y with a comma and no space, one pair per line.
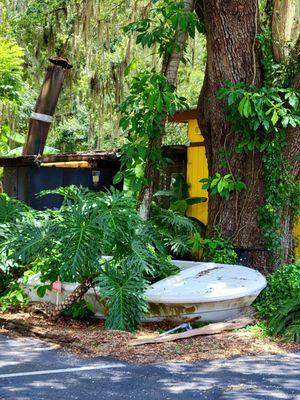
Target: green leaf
294,100
118,177
247,108
241,106
220,186
274,118
159,103
195,200
266,124
214,182
151,101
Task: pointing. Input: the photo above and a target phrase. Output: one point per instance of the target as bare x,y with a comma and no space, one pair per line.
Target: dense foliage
72,243
286,322
214,249
282,285
11,60
261,116
90,34
150,102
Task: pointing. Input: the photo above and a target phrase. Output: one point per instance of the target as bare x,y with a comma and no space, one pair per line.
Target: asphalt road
33,370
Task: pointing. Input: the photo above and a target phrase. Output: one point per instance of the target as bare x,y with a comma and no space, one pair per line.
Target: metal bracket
41,117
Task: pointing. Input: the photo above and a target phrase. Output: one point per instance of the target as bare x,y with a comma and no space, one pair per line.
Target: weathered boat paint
200,290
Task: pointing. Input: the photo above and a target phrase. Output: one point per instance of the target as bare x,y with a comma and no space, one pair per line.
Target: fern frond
286,322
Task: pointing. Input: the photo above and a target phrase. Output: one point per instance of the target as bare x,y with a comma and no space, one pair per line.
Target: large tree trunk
286,41
169,69
231,29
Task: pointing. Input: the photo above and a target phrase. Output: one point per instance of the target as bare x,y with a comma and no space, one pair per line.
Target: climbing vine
153,95
150,102
260,116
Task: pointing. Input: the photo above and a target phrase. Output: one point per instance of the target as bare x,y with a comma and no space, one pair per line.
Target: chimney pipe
41,118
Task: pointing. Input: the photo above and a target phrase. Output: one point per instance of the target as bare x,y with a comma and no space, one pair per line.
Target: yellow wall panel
194,131
296,233
196,170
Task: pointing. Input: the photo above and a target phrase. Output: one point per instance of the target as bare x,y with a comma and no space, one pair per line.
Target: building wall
197,169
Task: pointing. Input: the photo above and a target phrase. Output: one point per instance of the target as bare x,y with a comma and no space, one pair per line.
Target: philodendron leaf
166,193
179,206
195,200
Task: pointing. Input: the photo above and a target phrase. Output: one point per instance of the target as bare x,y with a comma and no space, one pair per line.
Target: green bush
286,322
215,249
79,310
283,284
13,297
72,243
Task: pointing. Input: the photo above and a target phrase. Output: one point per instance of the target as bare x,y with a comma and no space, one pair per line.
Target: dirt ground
90,339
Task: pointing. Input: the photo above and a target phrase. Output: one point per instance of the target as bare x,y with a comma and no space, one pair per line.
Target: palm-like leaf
27,238
286,321
79,236
175,230
124,288
87,227
11,209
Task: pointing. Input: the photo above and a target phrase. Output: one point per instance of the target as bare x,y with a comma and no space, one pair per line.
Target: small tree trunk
78,293
169,69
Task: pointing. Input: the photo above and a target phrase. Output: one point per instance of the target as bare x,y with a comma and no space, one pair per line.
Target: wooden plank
211,329
183,116
111,155
53,158
69,164
196,144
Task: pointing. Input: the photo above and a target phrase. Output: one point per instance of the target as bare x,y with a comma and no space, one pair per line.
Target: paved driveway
33,370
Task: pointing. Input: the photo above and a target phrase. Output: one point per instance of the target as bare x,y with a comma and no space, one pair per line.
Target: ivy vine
261,116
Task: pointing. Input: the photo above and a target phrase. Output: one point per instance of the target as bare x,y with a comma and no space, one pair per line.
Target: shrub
283,284
215,249
174,230
13,297
79,310
286,321
71,243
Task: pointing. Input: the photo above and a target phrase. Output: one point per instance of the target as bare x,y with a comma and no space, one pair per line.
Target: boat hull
204,309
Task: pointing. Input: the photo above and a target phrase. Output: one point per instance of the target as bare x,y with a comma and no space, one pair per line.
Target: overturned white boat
208,291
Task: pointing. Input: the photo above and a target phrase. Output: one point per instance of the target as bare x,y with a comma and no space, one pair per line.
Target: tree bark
169,69
286,37
231,29
78,293
285,27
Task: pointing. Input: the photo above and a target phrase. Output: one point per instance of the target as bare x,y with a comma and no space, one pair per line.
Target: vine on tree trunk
261,117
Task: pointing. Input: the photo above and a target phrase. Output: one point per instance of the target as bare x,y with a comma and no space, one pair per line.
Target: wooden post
41,118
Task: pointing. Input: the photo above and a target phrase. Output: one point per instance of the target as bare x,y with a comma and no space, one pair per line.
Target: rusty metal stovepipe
41,118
